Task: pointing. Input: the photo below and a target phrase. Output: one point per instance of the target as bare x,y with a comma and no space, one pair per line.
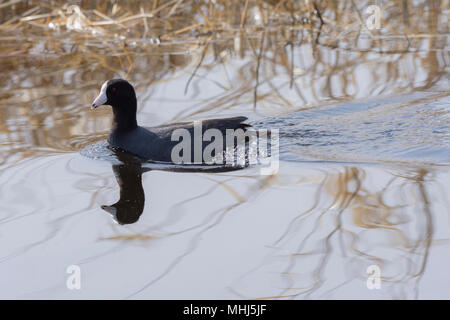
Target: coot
154,143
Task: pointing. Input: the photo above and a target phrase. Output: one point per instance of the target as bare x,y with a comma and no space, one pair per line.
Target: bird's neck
124,117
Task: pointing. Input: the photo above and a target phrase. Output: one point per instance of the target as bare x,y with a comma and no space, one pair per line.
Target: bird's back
155,143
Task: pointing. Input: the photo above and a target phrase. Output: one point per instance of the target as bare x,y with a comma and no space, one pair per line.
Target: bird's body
154,143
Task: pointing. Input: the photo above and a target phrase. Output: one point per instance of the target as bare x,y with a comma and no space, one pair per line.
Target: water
363,176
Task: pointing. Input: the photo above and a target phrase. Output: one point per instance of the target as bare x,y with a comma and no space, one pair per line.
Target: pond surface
363,175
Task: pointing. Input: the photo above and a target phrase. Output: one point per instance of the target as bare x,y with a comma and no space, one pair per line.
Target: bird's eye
113,89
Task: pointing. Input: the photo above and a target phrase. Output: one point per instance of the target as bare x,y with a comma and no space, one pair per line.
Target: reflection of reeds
347,217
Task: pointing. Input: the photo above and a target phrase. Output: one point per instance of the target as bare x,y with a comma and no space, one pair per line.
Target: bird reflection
132,196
